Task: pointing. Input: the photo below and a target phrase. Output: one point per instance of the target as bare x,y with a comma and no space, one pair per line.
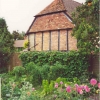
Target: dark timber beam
49,40
34,41
42,42
67,45
58,40
28,45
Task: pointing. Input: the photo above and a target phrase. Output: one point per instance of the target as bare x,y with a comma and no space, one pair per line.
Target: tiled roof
70,6
55,6
51,22
60,5
19,43
54,16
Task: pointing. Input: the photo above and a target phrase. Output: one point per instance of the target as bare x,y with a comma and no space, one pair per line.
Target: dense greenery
71,58
6,43
54,75
20,88
86,20
51,65
42,70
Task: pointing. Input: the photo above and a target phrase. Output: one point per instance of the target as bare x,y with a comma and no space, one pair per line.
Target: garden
51,75
54,75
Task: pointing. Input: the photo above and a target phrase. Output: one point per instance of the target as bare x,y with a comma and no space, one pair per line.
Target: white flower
98,42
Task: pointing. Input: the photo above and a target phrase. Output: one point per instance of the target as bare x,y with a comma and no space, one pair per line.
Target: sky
19,14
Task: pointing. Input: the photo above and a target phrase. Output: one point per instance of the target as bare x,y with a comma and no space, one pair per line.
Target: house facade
52,27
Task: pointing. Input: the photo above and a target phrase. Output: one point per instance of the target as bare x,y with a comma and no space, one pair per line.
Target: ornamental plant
72,91
26,44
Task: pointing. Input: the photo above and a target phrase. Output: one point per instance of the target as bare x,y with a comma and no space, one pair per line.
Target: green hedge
72,58
53,64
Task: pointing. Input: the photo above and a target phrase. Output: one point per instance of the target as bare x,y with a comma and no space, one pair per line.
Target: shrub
56,71
18,71
44,70
54,64
71,58
33,74
26,44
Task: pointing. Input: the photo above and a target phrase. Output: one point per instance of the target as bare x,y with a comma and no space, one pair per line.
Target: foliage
6,43
52,65
26,44
60,89
33,74
86,28
13,92
81,91
71,58
18,71
65,90
45,70
18,36
58,70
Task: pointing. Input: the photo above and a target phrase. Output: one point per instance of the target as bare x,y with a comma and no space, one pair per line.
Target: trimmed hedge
71,58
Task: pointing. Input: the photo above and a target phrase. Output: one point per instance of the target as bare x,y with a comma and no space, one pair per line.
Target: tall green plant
6,43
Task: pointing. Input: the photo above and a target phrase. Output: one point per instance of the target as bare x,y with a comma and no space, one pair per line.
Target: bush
71,58
53,64
56,71
44,70
33,74
18,71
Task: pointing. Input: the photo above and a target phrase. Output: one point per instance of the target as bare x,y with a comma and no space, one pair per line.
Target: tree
18,36
6,43
86,31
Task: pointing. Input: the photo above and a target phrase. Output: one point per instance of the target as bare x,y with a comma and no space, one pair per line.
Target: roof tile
55,6
60,5
51,22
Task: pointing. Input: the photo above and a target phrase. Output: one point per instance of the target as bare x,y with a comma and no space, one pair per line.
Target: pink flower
56,85
76,85
80,92
82,87
79,89
68,89
61,82
86,88
33,89
93,81
99,85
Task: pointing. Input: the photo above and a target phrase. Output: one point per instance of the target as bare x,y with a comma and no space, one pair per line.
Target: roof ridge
55,6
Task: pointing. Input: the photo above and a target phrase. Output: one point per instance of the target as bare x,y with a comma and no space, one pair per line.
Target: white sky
19,13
